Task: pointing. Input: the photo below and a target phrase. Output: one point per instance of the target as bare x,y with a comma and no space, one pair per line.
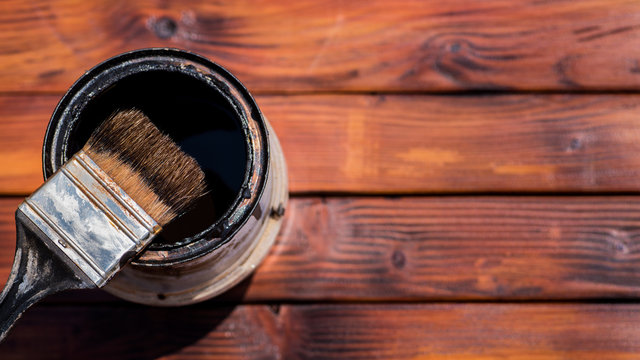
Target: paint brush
98,211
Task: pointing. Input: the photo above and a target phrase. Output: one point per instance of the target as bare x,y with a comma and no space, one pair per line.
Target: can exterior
204,277
218,258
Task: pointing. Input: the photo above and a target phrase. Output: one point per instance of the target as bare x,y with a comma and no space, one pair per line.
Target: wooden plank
99,332
434,331
410,144
463,332
23,122
419,144
438,248
412,45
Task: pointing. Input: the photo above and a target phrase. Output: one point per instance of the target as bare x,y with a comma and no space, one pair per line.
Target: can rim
105,74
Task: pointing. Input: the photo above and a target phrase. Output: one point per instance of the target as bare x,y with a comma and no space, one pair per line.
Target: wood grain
436,331
23,122
420,144
424,276
437,248
410,144
274,46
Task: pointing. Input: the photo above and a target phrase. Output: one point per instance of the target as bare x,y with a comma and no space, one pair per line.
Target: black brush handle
36,273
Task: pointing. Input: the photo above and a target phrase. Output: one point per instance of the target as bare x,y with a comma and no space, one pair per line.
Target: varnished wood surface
277,46
438,248
341,332
409,144
534,104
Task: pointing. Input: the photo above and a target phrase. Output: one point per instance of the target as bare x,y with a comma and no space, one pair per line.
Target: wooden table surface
464,177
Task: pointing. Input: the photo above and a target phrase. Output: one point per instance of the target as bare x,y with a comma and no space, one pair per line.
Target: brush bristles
146,164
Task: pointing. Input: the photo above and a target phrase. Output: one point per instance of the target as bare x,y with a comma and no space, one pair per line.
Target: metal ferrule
88,220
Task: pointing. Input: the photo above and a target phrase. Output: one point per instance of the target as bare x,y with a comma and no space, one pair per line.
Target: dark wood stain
615,31
586,29
50,73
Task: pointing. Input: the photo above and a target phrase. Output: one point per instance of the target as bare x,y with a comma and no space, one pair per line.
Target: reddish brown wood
464,331
417,144
435,332
409,144
454,248
376,258
335,45
438,248
23,121
8,207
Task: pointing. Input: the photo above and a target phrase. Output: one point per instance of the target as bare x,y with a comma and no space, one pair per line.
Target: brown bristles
146,164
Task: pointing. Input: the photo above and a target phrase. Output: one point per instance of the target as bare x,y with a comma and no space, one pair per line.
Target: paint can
213,117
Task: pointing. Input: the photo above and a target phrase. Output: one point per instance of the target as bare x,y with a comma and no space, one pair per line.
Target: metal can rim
100,77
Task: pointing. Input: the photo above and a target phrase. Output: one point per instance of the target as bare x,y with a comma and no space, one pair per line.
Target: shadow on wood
123,332
120,330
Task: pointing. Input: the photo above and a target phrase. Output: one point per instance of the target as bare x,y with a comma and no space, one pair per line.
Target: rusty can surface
211,115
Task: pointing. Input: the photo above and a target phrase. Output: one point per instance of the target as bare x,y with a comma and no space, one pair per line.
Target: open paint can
213,118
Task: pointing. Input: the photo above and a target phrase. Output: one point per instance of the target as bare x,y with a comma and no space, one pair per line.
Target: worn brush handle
36,273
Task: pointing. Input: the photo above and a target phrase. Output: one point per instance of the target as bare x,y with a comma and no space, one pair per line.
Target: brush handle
36,273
